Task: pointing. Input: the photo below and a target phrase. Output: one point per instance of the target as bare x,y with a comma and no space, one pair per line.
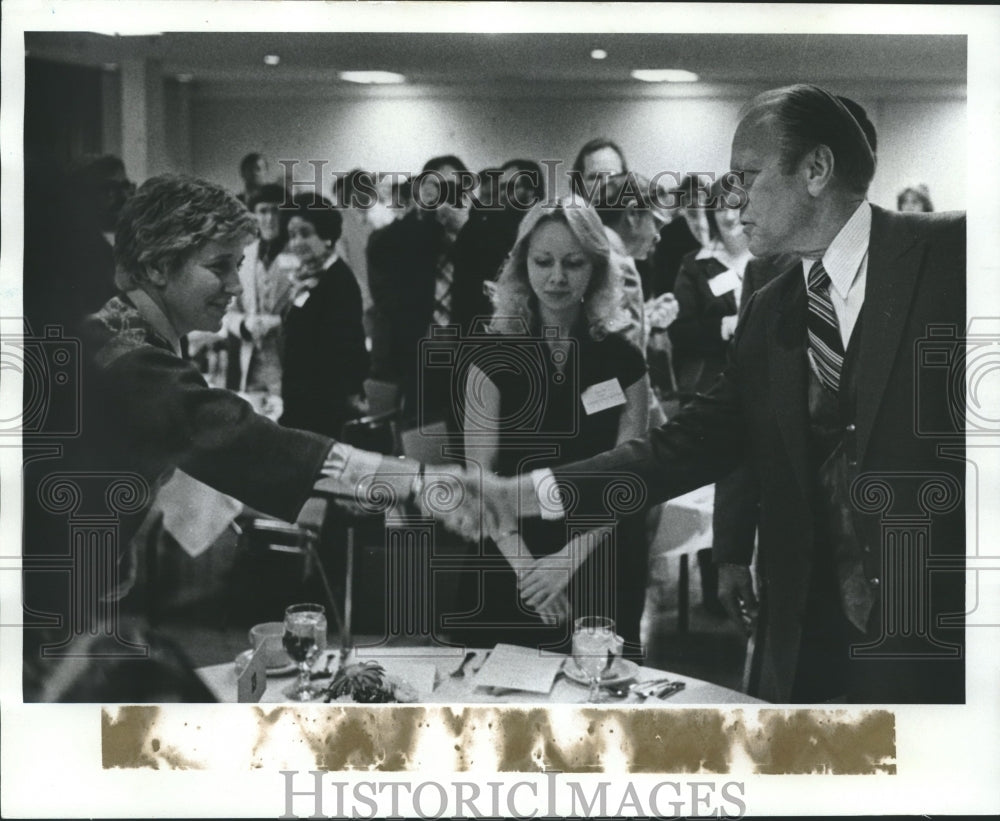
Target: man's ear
817,166
156,276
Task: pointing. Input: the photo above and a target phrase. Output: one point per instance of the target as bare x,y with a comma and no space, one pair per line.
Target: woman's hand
546,578
661,311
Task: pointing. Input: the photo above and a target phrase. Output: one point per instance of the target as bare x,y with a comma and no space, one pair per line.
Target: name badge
602,396
725,282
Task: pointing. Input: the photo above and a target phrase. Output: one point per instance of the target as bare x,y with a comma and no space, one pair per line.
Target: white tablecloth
221,680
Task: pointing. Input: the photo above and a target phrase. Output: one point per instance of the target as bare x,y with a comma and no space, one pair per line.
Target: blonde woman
559,385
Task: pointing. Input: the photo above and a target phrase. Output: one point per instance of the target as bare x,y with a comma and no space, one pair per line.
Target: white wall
919,140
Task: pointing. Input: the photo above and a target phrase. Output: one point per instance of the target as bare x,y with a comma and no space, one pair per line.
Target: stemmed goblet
304,638
594,648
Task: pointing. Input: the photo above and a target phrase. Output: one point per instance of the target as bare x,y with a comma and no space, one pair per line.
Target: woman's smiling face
195,296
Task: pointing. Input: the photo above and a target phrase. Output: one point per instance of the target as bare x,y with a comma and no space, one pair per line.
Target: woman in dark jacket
325,358
708,291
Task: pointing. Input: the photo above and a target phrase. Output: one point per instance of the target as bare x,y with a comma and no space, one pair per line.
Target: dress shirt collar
153,314
844,257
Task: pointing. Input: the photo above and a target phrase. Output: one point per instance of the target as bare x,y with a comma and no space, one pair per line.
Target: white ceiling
217,59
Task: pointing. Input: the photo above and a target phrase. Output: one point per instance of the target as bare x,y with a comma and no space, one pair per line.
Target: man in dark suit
824,397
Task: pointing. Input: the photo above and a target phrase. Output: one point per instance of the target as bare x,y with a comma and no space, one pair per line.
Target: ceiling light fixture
185,78
271,59
598,54
664,75
372,77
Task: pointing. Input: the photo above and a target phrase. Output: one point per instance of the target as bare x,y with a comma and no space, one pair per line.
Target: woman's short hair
807,116
515,301
168,219
317,211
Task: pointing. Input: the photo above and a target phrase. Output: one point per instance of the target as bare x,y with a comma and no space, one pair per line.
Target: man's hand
737,596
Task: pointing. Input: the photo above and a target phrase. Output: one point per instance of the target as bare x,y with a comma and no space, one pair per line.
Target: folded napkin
519,668
194,513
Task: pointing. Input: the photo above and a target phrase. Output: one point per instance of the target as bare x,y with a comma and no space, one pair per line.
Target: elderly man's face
777,206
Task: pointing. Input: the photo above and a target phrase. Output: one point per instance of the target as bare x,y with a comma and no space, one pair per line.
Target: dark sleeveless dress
543,423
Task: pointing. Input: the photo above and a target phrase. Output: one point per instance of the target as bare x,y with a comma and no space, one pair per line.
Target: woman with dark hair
708,291
557,297
325,358
914,198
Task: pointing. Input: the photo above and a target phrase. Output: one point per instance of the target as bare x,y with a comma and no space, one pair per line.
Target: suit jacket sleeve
162,414
700,444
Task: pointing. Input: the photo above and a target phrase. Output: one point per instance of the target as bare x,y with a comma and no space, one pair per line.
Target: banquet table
428,670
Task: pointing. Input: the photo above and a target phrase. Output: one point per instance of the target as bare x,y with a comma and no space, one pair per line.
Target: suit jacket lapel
894,263
787,369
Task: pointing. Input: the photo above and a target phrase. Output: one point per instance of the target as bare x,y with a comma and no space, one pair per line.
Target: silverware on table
460,672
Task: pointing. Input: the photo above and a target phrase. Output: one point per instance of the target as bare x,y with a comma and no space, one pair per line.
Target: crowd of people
233,336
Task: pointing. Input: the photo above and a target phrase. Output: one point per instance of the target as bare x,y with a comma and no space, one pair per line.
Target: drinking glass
594,645
304,638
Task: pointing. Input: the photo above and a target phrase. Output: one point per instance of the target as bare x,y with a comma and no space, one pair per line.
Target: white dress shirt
846,261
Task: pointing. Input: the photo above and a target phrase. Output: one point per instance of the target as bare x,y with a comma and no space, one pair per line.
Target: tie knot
818,277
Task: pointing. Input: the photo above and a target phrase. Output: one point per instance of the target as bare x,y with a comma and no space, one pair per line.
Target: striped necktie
442,292
826,350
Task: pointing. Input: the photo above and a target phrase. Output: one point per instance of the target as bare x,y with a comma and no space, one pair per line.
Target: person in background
598,158
628,207
325,358
915,198
677,238
708,290
487,237
558,275
351,197
69,262
254,171
253,322
410,275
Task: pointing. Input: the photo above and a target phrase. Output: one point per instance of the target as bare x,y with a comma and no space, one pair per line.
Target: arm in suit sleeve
701,444
735,516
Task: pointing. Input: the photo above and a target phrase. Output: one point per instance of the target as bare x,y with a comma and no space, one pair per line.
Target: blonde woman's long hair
515,303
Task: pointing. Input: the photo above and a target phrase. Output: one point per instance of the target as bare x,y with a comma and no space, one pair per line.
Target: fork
460,672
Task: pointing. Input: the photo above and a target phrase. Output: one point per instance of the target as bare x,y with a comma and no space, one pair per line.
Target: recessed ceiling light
271,59
598,54
372,77
664,75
